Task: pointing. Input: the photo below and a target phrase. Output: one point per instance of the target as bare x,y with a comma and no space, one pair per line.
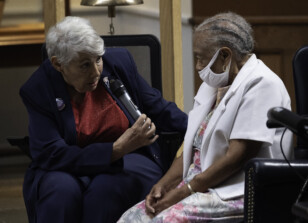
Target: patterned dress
198,207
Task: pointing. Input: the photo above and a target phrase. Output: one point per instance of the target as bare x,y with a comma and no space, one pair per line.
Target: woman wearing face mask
226,128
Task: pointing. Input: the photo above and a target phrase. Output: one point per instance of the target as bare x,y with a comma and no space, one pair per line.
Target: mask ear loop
224,68
213,59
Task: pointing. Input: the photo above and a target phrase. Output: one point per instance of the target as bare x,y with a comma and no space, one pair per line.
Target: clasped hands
159,199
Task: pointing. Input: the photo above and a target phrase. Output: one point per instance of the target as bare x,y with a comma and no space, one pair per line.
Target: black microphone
281,117
119,90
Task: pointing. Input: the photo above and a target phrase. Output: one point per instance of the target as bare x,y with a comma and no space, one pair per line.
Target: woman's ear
225,54
56,64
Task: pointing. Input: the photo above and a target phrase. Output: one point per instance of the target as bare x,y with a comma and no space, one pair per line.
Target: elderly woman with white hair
226,128
90,159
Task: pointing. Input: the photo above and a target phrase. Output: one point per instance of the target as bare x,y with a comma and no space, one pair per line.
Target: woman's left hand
171,198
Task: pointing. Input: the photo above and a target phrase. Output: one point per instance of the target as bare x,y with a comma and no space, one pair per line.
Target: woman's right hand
157,192
142,133
160,192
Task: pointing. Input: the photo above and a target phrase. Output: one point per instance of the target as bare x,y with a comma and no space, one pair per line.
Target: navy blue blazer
52,131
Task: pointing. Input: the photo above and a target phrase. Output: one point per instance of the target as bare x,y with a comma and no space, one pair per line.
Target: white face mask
213,79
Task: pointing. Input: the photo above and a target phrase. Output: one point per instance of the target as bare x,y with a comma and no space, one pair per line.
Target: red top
98,118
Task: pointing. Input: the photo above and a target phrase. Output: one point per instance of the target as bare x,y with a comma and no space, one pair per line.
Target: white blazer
241,114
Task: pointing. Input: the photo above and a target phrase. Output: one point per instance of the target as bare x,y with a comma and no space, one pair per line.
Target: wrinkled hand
142,133
159,200
156,193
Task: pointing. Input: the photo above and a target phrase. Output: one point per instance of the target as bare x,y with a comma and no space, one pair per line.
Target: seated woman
226,128
91,160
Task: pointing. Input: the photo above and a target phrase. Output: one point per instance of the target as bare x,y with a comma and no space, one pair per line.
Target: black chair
271,190
272,187
146,52
300,76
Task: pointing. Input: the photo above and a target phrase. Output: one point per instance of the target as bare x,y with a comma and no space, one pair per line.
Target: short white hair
71,36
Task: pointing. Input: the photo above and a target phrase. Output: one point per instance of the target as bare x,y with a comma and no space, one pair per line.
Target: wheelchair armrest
21,143
271,189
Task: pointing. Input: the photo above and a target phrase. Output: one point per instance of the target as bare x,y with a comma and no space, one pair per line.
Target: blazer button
155,156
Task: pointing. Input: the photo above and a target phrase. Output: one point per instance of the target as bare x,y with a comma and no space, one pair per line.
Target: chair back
300,76
146,52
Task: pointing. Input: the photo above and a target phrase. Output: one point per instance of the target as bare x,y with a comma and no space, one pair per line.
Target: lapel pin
60,104
106,81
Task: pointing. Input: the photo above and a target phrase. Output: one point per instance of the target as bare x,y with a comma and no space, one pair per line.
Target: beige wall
18,11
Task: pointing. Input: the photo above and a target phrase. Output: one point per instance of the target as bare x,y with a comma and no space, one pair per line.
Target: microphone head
272,124
286,118
272,121
117,87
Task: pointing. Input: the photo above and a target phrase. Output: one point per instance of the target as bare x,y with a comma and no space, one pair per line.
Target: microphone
281,117
119,90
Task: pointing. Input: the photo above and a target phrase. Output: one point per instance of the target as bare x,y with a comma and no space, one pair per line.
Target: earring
224,68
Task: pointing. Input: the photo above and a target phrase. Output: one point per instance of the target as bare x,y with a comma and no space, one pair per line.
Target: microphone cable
294,170
285,157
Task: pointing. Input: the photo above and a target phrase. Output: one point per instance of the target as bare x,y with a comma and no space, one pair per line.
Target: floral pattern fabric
200,132
198,207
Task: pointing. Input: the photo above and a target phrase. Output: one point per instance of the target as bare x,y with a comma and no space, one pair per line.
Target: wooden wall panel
251,8
275,59
280,28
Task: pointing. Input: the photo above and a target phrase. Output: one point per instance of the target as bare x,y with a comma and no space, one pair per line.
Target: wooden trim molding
22,34
54,12
1,9
265,20
171,50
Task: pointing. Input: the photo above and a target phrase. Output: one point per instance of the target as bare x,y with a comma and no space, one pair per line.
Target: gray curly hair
71,36
230,30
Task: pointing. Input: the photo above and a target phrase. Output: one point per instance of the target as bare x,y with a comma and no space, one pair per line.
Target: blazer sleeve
49,146
261,94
